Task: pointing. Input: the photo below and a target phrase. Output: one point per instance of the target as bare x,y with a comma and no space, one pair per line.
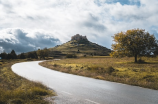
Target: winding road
73,89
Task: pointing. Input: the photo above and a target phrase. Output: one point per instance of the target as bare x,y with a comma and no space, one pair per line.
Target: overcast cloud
24,41
37,24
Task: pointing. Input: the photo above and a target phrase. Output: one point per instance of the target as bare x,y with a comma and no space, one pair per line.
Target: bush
110,69
141,61
84,55
55,65
71,56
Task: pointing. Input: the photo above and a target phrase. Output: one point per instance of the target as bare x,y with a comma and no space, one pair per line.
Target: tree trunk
135,58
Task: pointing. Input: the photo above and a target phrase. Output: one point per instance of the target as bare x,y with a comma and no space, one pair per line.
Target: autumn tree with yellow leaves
135,42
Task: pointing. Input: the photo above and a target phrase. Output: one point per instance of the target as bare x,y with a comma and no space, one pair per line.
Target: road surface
73,89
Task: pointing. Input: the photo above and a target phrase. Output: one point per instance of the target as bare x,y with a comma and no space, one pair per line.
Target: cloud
24,41
93,24
1,49
65,18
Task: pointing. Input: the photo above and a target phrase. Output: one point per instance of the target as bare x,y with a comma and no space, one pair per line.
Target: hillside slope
81,47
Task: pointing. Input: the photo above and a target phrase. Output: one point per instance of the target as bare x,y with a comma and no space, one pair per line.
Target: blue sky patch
125,2
122,2
153,30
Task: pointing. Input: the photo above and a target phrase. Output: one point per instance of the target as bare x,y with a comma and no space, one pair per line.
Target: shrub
55,65
71,56
110,69
141,61
84,55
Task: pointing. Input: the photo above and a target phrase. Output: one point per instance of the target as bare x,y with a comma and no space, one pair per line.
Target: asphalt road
73,89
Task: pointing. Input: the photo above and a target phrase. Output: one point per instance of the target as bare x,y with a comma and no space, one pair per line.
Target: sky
28,25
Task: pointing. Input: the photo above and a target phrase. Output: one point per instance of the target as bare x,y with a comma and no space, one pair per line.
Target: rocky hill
80,45
78,37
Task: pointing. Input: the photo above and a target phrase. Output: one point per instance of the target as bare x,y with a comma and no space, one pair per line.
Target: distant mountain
80,45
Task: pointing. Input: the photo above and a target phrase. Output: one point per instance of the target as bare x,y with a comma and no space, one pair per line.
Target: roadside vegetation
17,90
144,73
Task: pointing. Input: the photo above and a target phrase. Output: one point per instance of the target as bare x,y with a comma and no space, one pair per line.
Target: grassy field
17,90
122,70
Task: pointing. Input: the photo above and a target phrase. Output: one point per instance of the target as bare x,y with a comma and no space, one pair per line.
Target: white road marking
92,101
66,92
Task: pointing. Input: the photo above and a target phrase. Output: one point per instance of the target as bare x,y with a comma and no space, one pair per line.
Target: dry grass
122,70
17,90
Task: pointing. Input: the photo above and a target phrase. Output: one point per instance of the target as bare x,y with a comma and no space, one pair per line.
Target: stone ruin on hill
78,37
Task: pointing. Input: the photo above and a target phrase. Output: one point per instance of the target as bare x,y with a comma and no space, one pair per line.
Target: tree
156,50
40,53
133,43
45,52
9,56
13,55
3,55
35,55
32,55
22,56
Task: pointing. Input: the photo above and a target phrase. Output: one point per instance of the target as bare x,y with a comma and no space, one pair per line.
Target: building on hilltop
78,37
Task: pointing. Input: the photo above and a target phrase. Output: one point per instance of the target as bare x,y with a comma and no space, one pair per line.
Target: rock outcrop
78,37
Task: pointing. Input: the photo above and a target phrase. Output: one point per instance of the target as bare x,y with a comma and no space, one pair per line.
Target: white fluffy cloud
97,19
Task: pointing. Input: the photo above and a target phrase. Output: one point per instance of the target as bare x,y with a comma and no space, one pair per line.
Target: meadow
122,70
17,90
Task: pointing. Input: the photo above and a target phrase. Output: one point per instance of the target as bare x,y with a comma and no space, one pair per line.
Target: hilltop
82,46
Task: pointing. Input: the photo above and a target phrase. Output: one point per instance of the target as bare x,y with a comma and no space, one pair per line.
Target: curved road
72,89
